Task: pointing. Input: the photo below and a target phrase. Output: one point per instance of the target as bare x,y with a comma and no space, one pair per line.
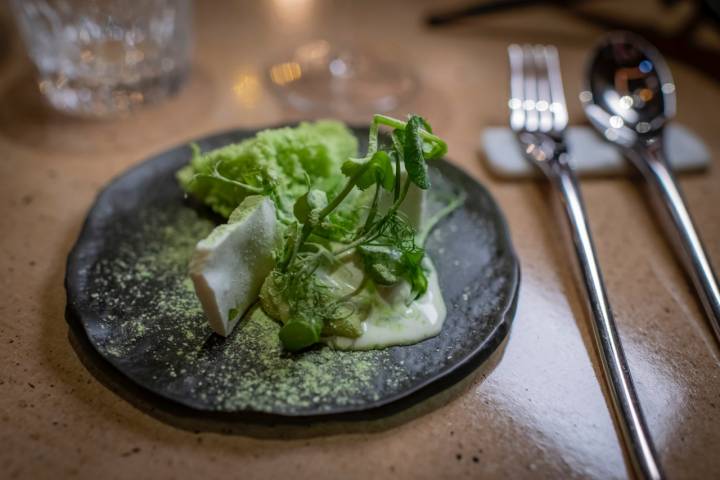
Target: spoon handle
624,399
669,202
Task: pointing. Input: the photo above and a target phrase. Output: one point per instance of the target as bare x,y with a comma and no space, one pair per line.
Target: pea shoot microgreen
384,240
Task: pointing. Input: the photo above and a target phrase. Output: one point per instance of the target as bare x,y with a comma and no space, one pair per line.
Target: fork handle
614,365
670,206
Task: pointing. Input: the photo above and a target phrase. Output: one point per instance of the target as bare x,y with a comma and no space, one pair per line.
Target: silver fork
538,115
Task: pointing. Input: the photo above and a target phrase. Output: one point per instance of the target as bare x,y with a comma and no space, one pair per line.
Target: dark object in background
494,6
679,44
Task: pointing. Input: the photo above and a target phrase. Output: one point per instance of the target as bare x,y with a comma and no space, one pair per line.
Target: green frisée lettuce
350,270
276,163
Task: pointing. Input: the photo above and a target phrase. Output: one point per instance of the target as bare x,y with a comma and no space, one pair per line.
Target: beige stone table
537,410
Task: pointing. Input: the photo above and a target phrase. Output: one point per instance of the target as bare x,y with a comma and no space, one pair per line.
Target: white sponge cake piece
229,266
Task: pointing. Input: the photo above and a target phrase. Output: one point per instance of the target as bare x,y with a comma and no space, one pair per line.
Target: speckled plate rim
380,408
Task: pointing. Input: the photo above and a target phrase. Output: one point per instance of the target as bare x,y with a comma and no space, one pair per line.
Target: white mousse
414,205
230,265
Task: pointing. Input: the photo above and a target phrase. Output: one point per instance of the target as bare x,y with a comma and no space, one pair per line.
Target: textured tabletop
535,410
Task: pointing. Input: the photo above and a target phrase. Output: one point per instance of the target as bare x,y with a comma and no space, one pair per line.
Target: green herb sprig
384,241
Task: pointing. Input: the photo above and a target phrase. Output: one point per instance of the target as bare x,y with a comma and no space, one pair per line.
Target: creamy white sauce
392,319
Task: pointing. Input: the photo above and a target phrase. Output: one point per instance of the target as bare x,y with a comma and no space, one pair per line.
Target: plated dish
327,244
187,291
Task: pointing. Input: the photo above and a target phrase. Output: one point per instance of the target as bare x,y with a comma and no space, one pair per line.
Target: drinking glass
100,57
342,79
330,66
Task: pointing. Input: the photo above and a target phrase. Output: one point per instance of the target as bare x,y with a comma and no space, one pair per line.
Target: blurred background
227,63
85,94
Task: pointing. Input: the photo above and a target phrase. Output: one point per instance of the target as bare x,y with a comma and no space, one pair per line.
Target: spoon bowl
630,93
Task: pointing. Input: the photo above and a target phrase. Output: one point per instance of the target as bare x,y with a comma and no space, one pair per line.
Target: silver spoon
629,97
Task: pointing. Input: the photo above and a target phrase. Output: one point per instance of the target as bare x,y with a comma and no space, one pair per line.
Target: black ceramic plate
128,290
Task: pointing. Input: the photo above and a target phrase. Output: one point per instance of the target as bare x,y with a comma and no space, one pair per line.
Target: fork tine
542,105
558,106
517,96
531,114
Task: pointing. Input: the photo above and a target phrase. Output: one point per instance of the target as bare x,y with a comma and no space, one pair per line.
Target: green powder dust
152,327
